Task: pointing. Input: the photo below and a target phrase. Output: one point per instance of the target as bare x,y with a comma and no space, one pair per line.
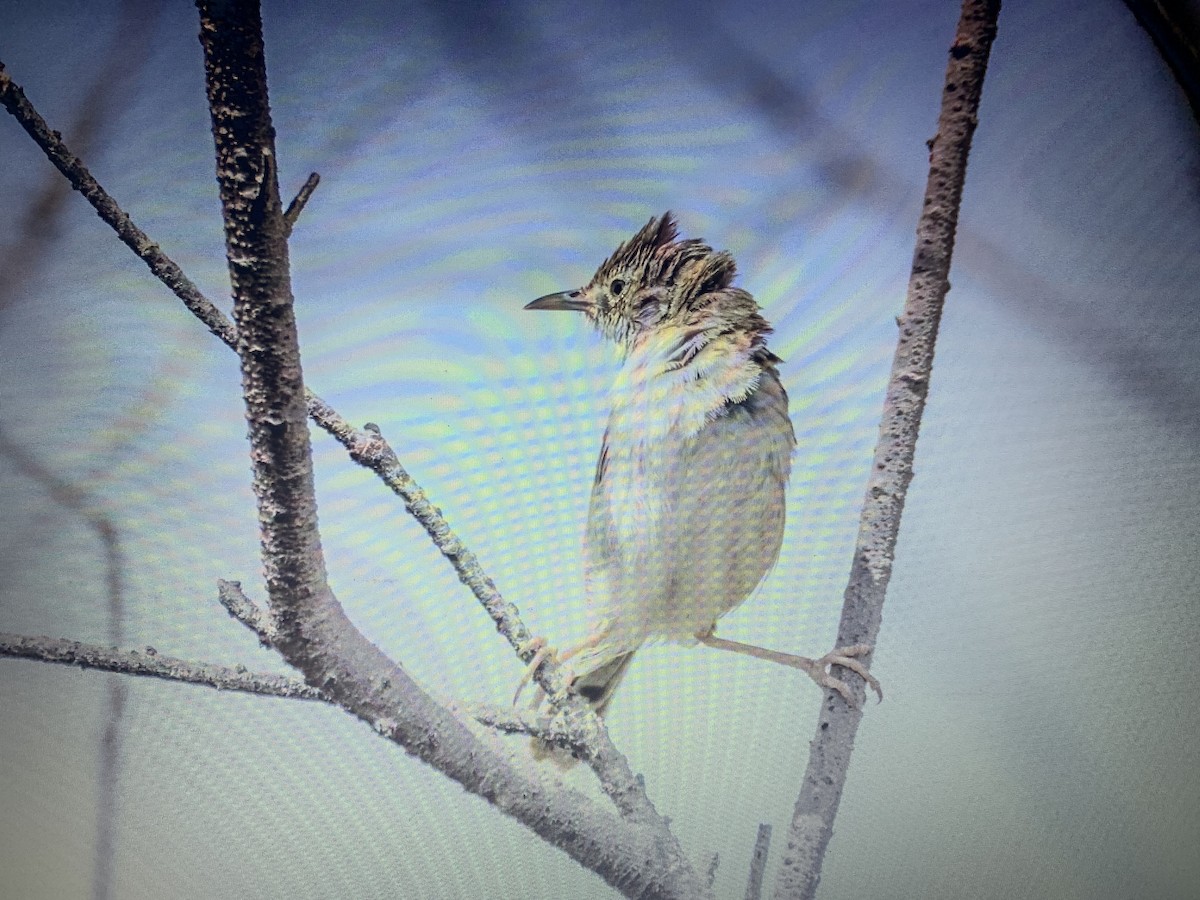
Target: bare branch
758,862
246,611
133,237
300,201
152,664
369,448
512,721
908,386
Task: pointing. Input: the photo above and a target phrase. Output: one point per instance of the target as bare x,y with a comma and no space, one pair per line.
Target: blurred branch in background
37,228
758,862
37,231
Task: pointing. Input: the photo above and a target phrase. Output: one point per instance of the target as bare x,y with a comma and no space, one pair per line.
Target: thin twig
509,720
133,237
908,385
246,611
370,449
300,201
150,663
758,862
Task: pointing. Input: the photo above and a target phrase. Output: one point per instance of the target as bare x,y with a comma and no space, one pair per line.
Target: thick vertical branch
908,386
267,343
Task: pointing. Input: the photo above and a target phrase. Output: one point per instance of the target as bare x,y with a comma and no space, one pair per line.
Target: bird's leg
544,652
816,668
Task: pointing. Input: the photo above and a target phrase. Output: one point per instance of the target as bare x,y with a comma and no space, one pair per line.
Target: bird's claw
542,652
845,657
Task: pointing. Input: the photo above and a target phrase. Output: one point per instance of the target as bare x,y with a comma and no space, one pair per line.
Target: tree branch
149,663
152,664
246,611
133,237
908,386
300,201
758,862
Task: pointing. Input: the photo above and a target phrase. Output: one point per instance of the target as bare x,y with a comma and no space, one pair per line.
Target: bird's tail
596,687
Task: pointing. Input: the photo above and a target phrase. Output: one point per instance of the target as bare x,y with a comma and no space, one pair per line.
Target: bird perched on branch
687,508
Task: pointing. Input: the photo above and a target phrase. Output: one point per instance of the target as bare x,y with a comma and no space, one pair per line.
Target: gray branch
300,201
163,267
246,611
758,862
149,663
829,756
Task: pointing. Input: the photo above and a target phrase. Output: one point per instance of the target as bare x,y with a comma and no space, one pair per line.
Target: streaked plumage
687,508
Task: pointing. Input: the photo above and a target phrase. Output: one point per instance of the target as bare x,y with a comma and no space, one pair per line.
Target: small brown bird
687,509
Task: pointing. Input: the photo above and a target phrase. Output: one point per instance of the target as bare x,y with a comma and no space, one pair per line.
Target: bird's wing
727,508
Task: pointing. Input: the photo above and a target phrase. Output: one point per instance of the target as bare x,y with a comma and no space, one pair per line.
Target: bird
687,506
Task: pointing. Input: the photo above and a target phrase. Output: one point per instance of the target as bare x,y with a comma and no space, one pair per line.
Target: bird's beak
564,300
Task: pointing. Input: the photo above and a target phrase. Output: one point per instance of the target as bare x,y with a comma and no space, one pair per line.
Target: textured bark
892,470
152,664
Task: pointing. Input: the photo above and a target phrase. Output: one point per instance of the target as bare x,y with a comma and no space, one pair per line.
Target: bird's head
654,282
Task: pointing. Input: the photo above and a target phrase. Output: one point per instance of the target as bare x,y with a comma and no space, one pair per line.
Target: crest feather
658,233
706,274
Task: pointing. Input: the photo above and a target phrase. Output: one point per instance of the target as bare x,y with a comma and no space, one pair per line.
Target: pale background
1039,644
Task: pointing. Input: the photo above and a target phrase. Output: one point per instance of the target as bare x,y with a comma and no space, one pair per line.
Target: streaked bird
688,501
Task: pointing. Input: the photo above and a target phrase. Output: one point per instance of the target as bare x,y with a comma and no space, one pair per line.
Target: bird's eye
616,287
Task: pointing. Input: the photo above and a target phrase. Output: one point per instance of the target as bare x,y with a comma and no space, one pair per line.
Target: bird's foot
542,652
817,669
